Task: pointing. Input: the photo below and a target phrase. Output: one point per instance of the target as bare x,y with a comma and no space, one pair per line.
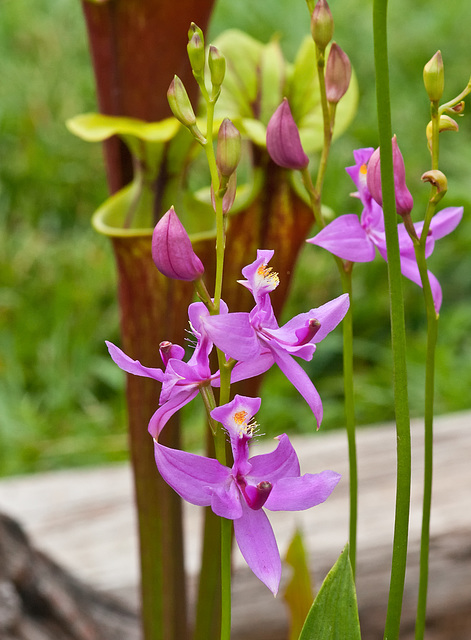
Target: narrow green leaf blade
334,613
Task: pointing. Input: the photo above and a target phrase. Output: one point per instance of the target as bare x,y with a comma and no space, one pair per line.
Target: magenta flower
283,142
356,239
172,251
404,201
181,380
270,480
257,341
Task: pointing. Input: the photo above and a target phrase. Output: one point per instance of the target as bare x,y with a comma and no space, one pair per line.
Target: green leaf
334,613
272,79
96,127
298,593
240,89
128,212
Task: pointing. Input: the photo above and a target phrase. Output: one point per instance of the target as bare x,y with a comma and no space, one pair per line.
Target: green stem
347,325
398,335
432,333
345,271
225,371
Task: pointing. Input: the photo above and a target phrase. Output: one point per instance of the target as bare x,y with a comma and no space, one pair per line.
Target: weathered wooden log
41,601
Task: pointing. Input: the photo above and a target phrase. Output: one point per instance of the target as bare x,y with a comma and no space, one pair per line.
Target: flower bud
228,149
283,141
172,251
322,24
217,66
180,103
229,196
195,29
338,72
195,48
404,200
434,77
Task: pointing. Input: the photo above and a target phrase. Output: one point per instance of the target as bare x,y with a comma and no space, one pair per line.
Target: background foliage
61,397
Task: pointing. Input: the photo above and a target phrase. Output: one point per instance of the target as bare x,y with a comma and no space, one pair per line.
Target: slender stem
398,335
220,242
345,271
328,121
347,325
432,333
225,372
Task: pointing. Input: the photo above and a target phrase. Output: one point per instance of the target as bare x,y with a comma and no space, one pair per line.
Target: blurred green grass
61,398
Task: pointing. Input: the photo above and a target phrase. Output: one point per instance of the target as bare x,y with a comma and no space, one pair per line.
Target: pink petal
297,494
346,238
410,270
175,402
446,221
258,546
195,478
126,363
301,381
281,462
233,334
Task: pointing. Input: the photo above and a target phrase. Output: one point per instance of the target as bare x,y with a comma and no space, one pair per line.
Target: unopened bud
229,196
195,48
172,251
228,149
437,179
404,200
217,66
338,72
283,141
180,103
195,29
434,77
322,24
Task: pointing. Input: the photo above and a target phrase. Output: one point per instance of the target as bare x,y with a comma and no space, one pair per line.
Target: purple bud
172,251
338,72
404,201
283,142
229,197
228,149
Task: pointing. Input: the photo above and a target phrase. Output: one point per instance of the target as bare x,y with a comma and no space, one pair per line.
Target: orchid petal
233,334
446,221
258,546
193,477
299,379
277,464
329,316
252,368
166,411
346,238
126,363
410,270
304,492
226,501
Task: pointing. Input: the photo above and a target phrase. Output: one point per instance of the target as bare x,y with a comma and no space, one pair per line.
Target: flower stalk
432,334
398,335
